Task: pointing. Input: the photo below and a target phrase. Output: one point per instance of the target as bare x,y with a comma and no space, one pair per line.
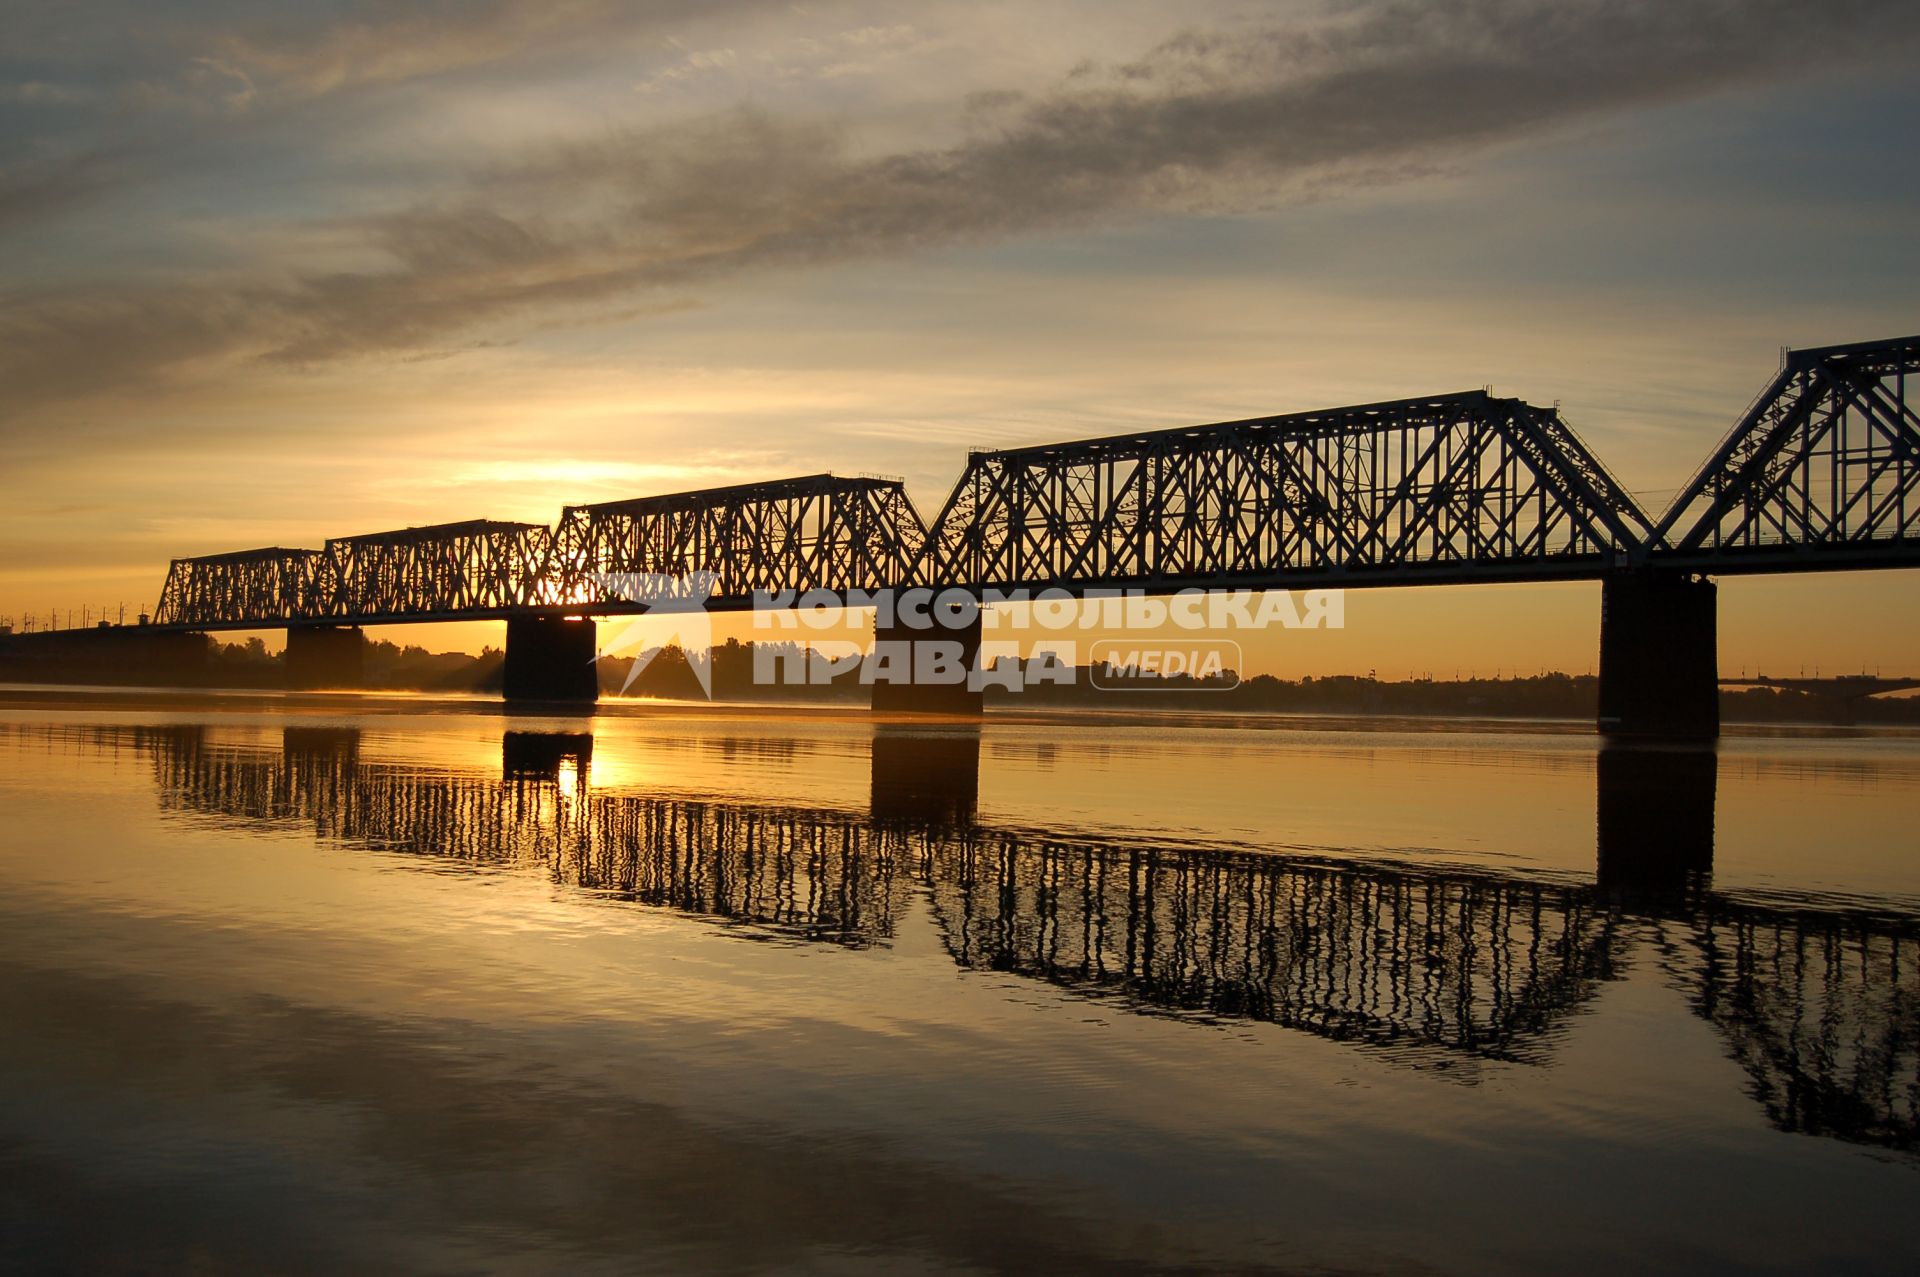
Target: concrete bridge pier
326,656
551,658
915,666
1659,657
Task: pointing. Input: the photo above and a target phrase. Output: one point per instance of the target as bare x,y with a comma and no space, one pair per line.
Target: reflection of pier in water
1430,966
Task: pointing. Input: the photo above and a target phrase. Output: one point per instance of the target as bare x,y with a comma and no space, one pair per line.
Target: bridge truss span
479,567
476,569
269,586
818,532
1457,487
1822,472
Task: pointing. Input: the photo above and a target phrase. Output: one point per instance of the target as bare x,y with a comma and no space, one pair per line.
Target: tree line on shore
667,673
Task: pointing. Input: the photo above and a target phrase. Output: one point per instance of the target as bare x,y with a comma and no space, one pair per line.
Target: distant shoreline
25,696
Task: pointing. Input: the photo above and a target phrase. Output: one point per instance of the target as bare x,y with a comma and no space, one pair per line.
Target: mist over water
375,986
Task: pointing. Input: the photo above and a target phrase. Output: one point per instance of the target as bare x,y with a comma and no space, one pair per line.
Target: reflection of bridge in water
1433,965
1428,966
1823,1013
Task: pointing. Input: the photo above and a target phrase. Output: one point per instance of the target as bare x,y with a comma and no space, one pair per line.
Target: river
371,984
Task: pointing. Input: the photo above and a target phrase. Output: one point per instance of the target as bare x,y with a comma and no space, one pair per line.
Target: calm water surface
378,984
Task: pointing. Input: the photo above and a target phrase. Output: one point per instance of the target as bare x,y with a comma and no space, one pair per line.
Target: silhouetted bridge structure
1819,474
1843,692
1426,966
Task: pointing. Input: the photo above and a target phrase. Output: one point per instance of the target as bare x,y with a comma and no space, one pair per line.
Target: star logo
675,604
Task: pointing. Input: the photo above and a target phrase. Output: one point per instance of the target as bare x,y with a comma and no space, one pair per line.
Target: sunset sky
279,272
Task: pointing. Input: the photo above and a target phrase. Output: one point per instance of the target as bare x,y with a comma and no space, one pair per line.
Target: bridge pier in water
326,656
911,679
551,658
1659,658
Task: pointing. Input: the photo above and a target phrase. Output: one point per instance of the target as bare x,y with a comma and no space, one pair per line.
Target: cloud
169,84
697,63
1204,122
320,47
41,93
400,40
35,189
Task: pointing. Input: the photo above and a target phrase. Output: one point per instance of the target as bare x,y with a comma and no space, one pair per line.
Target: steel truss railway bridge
1432,967
1821,473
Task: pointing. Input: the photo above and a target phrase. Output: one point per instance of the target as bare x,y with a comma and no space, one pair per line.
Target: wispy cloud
33,189
399,40
1207,121
160,81
41,93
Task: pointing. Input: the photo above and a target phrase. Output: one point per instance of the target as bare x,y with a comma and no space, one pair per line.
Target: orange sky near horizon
269,281
1439,632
